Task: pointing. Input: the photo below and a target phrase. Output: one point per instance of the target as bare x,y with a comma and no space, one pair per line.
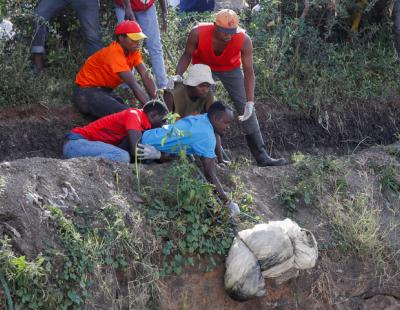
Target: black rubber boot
258,149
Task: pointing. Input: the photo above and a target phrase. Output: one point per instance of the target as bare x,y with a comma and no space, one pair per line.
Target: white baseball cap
198,74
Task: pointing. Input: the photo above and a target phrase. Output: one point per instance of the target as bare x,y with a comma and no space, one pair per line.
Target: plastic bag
243,276
274,250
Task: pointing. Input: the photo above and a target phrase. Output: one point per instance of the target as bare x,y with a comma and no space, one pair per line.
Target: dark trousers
396,25
97,101
233,82
88,15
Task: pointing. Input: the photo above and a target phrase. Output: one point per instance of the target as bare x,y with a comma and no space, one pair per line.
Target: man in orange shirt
110,67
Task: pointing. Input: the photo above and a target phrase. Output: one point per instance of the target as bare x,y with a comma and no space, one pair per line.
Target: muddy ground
38,130
338,282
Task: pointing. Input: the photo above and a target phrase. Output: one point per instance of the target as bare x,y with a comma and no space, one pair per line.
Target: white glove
248,111
146,151
172,80
233,209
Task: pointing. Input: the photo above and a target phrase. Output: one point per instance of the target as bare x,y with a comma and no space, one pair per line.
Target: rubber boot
258,150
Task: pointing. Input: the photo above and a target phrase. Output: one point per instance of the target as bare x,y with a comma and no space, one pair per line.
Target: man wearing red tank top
228,50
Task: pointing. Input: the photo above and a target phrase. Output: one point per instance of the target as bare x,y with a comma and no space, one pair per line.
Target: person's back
194,134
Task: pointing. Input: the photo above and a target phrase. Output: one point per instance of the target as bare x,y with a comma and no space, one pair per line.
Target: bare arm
186,58
147,81
129,79
218,149
169,101
164,14
128,10
134,137
248,70
211,175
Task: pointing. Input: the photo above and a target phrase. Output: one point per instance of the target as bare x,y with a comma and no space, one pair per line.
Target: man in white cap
228,50
193,96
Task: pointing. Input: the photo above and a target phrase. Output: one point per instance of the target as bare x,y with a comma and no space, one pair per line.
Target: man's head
155,111
199,79
220,117
129,35
227,24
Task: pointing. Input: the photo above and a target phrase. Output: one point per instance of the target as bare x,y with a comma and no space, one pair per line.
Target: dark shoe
258,150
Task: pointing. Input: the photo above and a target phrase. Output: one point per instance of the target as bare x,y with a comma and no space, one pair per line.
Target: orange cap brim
136,36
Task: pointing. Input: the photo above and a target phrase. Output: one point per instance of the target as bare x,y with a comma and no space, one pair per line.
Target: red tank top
204,54
137,5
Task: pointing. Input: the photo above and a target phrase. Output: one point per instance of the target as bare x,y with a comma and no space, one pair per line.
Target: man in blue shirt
195,135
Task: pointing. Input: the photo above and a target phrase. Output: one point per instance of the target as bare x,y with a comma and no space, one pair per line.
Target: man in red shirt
115,136
110,67
224,47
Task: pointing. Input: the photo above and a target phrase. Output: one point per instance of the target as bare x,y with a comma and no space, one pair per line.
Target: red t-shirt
137,5
204,54
112,129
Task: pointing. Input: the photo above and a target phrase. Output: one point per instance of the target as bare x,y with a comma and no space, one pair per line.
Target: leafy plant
70,275
187,216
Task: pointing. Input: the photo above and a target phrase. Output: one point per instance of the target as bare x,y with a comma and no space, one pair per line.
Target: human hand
224,163
172,80
146,151
233,209
248,111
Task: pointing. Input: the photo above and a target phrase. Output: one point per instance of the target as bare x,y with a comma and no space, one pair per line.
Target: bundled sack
244,277
279,248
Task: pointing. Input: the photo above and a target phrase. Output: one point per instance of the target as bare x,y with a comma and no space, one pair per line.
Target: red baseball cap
131,29
227,21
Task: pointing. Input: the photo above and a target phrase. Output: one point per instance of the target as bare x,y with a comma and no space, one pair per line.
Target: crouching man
110,67
196,136
115,136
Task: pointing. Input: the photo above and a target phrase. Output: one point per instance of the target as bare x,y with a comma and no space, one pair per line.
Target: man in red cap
110,67
225,47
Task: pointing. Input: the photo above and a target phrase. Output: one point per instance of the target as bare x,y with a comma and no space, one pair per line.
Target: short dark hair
155,105
217,108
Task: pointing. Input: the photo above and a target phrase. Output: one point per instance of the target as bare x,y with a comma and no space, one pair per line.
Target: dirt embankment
38,130
340,280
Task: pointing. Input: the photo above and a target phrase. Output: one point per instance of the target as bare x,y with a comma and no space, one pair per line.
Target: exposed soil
37,131
338,282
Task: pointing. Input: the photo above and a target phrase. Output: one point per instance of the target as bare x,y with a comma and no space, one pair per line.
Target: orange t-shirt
100,69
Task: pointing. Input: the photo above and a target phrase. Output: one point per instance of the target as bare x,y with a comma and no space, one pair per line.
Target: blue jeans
149,24
88,15
77,146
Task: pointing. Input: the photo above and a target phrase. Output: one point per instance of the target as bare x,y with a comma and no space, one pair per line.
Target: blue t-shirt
194,134
196,5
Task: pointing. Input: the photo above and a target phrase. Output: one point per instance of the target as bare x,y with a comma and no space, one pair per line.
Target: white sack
243,278
269,243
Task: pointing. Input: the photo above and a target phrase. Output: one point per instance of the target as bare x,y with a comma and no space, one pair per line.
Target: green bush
309,64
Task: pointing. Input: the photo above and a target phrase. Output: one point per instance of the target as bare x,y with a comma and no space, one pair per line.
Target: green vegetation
322,183
311,64
187,216
75,271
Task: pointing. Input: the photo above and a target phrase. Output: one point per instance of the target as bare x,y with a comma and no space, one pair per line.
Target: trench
38,131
